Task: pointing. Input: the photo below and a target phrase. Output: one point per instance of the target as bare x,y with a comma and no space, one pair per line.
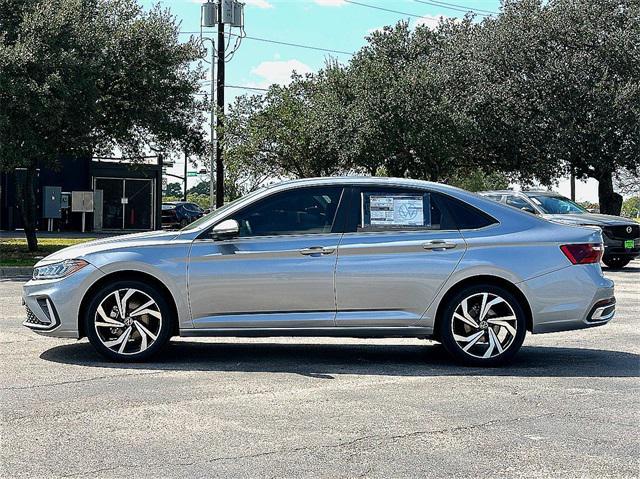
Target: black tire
184,222
510,306
161,327
616,262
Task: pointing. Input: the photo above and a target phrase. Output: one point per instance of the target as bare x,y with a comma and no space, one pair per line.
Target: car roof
521,192
360,180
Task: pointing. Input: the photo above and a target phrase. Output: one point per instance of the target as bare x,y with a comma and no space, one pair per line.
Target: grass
14,252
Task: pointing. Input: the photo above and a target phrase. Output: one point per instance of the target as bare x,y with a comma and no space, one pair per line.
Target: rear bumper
574,297
613,251
615,247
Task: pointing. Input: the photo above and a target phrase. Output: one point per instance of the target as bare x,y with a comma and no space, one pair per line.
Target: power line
278,42
239,87
456,7
375,7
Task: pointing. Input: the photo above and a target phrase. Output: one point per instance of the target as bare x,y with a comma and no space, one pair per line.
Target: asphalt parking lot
568,407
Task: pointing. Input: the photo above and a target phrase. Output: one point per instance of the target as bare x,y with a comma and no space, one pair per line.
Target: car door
399,248
279,271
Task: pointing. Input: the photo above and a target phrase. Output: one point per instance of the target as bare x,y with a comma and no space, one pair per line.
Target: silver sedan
356,257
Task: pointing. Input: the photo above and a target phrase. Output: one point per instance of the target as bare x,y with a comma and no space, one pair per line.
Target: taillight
584,253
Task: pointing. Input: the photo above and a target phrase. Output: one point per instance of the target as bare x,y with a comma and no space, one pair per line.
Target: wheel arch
124,276
477,280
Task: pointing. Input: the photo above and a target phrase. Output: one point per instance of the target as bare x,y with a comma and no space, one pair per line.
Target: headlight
59,270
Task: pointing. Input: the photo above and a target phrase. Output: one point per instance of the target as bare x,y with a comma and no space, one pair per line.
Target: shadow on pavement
632,267
323,360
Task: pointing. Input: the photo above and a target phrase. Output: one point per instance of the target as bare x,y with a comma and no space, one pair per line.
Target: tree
478,180
558,90
83,77
201,188
174,190
631,207
403,118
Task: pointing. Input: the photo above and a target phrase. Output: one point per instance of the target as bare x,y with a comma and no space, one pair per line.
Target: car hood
105,244
590,219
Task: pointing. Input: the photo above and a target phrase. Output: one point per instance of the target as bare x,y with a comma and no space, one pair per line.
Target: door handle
438,245
317,250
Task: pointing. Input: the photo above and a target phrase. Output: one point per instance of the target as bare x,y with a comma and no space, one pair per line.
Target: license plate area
628,244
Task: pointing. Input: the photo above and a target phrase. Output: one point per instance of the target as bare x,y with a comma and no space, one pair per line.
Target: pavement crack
76,381
351,442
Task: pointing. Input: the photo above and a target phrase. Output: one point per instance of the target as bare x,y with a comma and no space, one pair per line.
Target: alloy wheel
484,325
128,321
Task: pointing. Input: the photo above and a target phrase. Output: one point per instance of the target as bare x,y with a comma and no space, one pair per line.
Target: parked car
178,214
358,257
621,235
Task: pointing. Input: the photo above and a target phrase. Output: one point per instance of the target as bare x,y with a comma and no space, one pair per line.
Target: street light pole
220,112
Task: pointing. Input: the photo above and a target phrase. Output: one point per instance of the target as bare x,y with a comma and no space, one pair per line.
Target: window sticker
400,210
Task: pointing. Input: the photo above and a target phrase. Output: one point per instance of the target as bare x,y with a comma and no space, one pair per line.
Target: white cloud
259,3
330,3
278,71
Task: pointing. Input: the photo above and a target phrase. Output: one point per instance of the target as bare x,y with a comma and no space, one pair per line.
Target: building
119,196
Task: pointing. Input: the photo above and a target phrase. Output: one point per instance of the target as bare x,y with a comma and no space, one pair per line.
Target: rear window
465,216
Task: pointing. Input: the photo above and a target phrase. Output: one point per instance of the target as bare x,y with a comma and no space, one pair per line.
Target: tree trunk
28,207
610,201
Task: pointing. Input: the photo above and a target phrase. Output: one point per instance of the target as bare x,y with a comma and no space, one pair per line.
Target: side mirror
529,209
225,230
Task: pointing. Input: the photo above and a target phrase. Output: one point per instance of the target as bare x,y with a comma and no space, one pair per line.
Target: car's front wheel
128,321
616,262
483,325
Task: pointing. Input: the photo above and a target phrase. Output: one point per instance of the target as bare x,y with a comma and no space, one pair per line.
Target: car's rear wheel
483,325
128,321
616,262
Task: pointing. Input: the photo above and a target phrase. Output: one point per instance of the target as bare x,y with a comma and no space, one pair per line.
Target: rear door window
397,209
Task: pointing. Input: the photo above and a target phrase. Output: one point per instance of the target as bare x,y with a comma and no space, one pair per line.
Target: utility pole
218,14
573,184
184,196
220,112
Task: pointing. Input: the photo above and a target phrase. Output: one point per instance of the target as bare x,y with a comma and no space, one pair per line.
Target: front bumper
53,306
574,297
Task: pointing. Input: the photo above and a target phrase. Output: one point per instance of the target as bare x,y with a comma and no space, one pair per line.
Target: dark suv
621,235
178,214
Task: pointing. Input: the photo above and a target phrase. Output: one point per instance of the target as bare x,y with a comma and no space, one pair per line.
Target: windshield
220,211
556,205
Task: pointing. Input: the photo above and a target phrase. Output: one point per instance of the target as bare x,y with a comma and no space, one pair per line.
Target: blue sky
330,24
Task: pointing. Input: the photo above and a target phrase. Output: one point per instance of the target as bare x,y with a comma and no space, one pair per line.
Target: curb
15,272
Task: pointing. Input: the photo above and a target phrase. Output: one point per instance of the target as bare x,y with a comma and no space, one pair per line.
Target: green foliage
201,188
477,180
631,207
543,89
84,77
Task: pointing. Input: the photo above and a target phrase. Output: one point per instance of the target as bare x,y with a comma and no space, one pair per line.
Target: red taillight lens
584,253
